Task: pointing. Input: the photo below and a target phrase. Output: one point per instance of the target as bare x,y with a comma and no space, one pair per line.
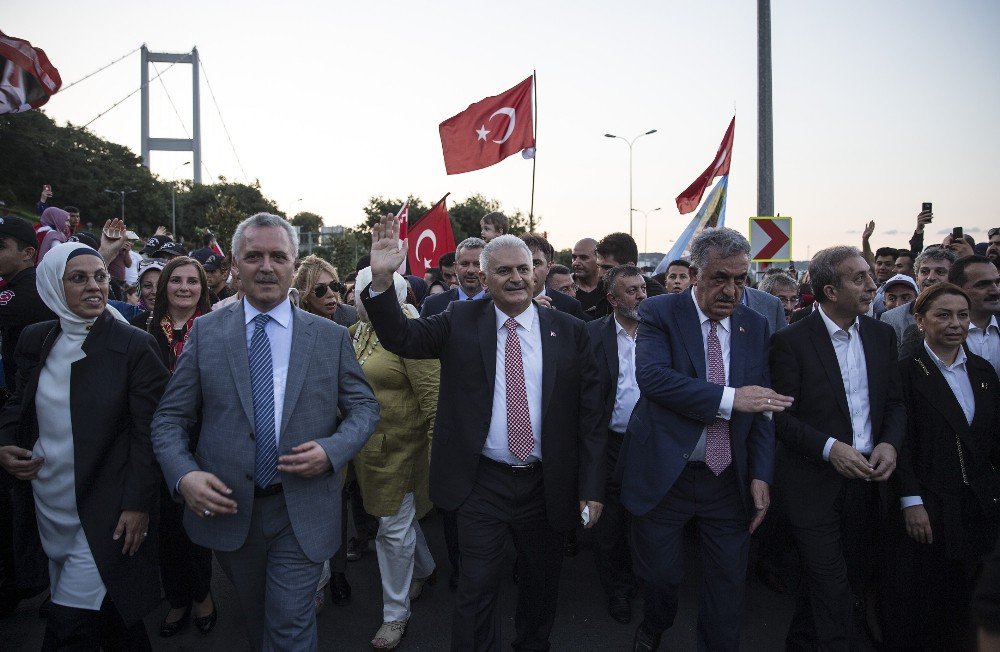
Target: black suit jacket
114,391
804,366
604,343
464,337
567,304
437,303
928,464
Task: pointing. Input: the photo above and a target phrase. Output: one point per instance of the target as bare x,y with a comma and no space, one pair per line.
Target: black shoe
170,629
620,609
356,548
645,641
205,624
340,589
453,581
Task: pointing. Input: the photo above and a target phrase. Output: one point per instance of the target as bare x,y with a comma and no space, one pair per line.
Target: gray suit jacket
211,383
767,306
901,320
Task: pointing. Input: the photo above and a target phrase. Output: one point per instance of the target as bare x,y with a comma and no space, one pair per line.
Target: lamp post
630,143
645,227
173,199
122,194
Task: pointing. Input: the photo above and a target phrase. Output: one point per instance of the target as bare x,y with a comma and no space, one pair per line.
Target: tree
308,222
379,206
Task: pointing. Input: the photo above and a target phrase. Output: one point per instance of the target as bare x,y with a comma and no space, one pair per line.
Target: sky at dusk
878,106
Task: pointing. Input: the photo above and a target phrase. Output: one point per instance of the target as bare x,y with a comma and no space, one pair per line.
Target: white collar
993,324
702,317
526,319
619,329
959,362
832,328
281,313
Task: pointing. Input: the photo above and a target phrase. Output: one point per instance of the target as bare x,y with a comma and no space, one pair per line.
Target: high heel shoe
168,629
205,624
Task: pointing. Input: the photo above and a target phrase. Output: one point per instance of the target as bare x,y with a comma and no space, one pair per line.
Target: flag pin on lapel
552,333
741,330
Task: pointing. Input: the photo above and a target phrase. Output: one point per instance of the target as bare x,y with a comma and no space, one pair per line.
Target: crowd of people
165,407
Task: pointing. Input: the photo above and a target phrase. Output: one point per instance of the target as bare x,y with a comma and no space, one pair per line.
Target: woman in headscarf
393,466
54,224
76,435
319,291
185,568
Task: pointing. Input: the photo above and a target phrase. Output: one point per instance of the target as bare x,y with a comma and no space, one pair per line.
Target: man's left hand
543,300
883,461
307,460
595,512
760,494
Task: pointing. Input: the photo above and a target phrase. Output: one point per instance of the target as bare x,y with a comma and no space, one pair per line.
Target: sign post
771,239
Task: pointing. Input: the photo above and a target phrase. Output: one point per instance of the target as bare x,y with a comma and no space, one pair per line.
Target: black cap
85,238
210,260
171,249
153,244
15,227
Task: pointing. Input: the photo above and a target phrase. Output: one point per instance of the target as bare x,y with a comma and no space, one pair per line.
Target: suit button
686,456
249,476
251,436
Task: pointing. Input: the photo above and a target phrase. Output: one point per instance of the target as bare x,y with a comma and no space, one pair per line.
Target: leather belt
269,490
513,469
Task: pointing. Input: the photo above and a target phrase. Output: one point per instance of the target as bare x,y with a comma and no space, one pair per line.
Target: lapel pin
552,333
985,386
741,330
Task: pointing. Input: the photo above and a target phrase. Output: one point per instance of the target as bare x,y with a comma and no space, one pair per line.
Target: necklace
365,343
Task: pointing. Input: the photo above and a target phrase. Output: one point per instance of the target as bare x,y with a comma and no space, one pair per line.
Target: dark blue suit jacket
678,401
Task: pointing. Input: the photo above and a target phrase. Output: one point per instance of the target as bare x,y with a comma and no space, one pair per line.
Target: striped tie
718,453
262,387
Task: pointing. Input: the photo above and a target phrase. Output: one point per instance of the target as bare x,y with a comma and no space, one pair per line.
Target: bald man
587,275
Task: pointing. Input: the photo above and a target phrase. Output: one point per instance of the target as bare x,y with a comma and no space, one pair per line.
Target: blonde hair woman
319,291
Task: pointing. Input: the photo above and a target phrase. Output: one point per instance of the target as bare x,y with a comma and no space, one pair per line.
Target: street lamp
173,199
630,143
122,194
645,228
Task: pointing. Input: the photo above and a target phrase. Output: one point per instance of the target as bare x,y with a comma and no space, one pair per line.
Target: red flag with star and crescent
688,200
489,131
27,77
430,238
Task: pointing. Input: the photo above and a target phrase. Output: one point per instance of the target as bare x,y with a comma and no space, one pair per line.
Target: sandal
389,635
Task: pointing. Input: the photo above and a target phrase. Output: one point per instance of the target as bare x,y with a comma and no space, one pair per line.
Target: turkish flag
489,131
688,200
430,238
27,77
404,217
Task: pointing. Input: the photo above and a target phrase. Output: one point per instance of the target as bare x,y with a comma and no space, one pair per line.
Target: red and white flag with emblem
403,216
433,238
490,130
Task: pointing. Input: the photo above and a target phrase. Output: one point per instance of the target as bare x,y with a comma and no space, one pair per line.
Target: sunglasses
320,289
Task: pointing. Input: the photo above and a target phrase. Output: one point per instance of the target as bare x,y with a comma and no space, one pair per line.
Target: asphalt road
582,623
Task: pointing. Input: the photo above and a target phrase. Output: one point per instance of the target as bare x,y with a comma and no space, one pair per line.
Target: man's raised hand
387,254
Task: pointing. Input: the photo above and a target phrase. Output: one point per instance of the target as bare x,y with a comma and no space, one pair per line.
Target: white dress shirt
728,393
986,342
530,336
854,372
626,389
279,334
462,296
957,376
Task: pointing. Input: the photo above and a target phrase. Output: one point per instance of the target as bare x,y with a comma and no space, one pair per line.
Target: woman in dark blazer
76,435
938,531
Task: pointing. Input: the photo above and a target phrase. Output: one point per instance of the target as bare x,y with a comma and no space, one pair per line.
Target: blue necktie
262,387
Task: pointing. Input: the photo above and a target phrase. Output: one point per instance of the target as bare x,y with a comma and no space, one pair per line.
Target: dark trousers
449,523
185,568
837,546
85,630
657,540
7,578
611,553
504,507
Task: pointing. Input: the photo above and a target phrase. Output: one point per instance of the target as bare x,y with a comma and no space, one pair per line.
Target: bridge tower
192,144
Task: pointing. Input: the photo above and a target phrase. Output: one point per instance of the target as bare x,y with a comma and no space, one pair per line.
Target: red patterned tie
520,439
718,454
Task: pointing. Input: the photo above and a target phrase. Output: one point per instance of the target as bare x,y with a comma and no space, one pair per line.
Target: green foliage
80,166
379,206
564,257
308,222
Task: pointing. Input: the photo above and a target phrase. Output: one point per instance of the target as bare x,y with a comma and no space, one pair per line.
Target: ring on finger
206,513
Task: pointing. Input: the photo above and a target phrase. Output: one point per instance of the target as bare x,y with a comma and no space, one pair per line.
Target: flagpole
534,159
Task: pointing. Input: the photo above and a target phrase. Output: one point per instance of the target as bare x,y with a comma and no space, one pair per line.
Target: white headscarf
49,280
364,279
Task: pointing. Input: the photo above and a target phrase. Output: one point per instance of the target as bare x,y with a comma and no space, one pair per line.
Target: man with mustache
519,458
835,444
467,272
981,281
698,444
613,341
587,276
